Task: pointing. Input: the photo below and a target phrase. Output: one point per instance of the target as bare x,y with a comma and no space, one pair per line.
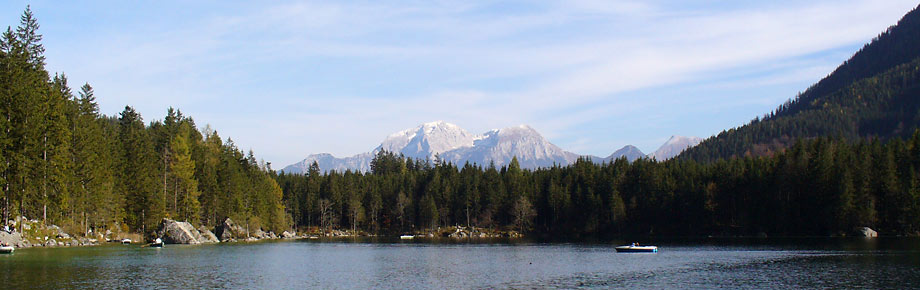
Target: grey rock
866,232
12,239
259,234
173,232
287,235
229,231
207,237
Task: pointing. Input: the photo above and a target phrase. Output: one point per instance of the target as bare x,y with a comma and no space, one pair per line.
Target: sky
292,78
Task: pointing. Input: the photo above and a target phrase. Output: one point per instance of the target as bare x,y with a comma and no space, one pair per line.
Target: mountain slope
630,152
427,140
451,143
873,94
674,146
499,146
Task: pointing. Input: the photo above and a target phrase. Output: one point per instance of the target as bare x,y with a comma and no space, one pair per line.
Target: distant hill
630,152
876,93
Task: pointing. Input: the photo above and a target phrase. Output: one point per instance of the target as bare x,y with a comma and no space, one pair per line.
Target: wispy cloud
295,78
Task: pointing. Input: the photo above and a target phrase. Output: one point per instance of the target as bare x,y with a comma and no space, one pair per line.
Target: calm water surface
363,264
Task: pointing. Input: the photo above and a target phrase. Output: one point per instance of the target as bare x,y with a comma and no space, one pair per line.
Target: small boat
6,249
406,237
126,241
158,243
636,248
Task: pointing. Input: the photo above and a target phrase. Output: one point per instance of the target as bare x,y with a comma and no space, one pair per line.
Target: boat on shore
636,248
7,249
406,237
158,243
126,241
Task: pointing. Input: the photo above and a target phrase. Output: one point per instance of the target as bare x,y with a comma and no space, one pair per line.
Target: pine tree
56,154
144,205
183,170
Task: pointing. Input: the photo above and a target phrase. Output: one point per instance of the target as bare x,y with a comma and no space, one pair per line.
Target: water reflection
382,263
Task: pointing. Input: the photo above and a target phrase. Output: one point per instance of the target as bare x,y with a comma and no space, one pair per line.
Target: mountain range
449,142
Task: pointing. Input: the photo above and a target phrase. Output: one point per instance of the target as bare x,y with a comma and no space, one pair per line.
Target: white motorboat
406,237
636,248
7,249
126,241
158,243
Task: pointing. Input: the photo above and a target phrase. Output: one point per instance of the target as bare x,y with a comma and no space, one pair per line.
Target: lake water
364,264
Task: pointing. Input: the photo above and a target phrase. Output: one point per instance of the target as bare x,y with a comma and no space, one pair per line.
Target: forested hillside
818,187
833,159
876,93
63,162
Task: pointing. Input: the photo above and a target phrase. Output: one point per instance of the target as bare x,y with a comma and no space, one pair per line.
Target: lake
390,263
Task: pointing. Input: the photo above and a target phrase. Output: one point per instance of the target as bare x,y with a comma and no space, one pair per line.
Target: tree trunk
45,180
165,170
176,198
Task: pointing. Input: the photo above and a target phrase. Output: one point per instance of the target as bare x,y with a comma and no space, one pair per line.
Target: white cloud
338,77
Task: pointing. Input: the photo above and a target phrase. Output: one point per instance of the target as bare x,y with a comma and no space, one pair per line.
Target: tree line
873,94
63,162
819,186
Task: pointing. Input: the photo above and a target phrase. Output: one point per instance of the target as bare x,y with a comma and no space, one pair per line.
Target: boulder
13,239
173,232
287,235
259,234
207,236
866,232
229,231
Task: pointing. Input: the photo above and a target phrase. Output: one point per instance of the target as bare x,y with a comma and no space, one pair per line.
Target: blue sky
288,79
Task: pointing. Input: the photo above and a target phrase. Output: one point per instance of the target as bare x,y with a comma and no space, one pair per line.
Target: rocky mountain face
451,143
427,140
500,146
327,162
674,147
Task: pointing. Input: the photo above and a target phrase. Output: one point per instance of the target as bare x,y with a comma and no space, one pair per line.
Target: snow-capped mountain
674,146
427,140
499,146
327,162
630,152
453,144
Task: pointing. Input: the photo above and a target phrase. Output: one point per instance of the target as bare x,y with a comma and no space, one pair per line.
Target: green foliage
62,161
818,187
873,94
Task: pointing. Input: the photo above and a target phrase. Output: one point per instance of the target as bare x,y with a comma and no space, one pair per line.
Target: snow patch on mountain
674,146
453,144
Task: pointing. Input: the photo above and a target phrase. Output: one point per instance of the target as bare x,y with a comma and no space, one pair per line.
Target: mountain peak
427,140
456,145
674,146
630,152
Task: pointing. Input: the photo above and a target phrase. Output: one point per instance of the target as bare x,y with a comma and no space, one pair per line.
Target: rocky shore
35,234
461,232
176,232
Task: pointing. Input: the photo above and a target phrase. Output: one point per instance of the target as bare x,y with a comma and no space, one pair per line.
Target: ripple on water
420,265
